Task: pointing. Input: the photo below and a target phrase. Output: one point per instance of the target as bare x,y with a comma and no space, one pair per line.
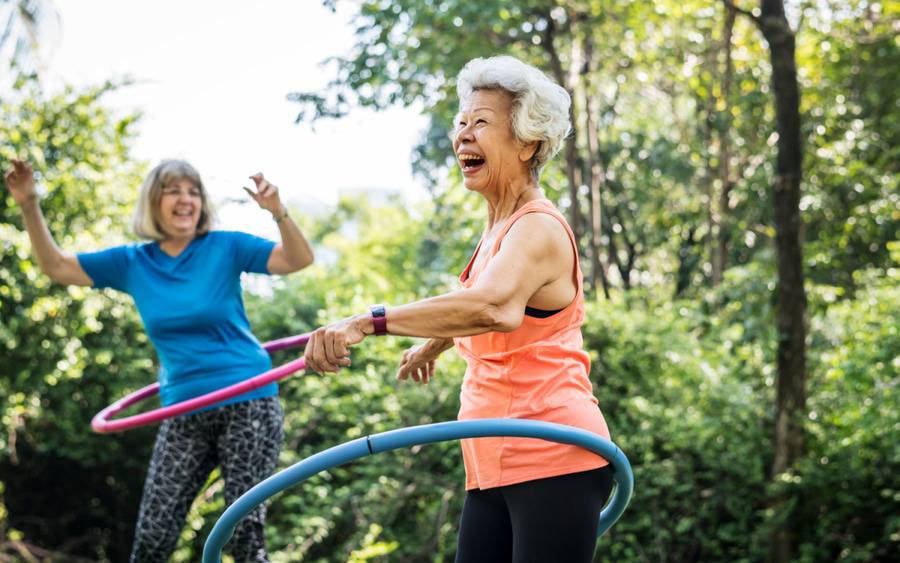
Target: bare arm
294,252
536,253
59,266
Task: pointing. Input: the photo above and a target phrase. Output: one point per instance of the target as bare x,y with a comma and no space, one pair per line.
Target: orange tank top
538,371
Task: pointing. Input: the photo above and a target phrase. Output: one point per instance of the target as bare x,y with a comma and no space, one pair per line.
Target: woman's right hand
418,362
20,181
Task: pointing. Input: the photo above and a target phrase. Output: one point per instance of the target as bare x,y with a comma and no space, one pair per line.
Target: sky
212,78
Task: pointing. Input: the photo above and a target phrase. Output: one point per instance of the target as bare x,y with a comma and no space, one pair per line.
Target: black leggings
244,439
551,520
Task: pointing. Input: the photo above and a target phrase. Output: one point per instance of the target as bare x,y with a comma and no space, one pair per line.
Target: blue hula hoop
427,434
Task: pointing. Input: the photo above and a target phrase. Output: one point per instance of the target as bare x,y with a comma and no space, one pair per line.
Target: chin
477,188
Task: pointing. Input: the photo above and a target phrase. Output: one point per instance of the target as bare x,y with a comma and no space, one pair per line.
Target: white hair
145,222
540,110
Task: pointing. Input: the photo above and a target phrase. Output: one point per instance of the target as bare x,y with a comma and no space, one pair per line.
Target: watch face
379,319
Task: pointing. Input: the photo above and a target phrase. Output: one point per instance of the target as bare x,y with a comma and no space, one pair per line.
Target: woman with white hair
185,283
517,323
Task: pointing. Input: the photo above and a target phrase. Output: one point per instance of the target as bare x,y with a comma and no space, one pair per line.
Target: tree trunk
720,240
790,402
596,174
573,173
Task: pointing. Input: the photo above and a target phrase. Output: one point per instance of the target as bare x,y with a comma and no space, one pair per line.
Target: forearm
466,312
297,250
438,346
48,255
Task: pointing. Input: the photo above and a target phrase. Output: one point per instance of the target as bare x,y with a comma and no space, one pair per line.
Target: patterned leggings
244,439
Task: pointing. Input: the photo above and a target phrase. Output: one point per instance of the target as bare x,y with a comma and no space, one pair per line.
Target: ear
527,152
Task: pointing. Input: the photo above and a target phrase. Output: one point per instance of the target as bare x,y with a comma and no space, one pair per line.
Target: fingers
407,368
264,188
327,350
315,356
416,368
251,193
21,167
336,351
18,167
403,369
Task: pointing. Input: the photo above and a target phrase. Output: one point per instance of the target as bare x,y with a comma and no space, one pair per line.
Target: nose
463,135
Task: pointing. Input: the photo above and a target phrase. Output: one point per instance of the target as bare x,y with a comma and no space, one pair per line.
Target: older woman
516,321
186,285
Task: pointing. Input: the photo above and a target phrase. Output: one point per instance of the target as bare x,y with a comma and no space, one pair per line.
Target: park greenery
670,180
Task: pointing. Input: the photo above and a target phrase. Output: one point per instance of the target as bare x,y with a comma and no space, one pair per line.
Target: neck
510,198
173,246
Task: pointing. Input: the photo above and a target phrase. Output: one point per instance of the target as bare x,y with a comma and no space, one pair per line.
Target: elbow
494,316
306,261
508,321
301,263
54,271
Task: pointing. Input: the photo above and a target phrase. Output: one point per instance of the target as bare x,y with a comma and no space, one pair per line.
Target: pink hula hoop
102,424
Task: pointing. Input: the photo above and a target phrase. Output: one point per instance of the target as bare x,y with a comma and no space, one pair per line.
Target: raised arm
294,252
59,266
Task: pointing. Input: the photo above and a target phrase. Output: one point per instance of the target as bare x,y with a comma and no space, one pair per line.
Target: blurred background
732,178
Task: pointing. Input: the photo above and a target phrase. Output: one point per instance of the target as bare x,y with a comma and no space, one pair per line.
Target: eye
479,121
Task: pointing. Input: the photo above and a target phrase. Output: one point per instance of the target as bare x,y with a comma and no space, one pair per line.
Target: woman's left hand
266,194
328,349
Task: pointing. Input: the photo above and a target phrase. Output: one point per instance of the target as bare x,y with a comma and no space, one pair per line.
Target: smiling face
485,146
179,209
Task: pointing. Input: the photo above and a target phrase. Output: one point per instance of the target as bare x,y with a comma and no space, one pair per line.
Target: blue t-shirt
192,309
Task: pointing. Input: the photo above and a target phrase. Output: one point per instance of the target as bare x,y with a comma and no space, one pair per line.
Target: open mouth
470,162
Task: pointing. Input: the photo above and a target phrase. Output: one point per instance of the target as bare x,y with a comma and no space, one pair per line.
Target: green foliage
65,353
846,488
853,194
678,403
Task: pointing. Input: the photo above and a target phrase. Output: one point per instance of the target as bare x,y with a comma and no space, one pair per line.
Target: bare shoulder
539,234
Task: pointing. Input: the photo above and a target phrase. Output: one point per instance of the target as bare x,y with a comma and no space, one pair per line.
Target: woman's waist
580,413
501,347
178,390
212,357
522,395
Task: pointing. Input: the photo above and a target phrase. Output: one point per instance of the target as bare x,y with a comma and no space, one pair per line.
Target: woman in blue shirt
185,283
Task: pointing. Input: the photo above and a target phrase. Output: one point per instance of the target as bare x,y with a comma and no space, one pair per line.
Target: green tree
67,352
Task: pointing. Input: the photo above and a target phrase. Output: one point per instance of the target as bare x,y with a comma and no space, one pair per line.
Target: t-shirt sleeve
107,268
251,253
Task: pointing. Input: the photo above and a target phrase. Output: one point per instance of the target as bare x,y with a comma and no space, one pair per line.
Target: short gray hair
540,110
145,222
